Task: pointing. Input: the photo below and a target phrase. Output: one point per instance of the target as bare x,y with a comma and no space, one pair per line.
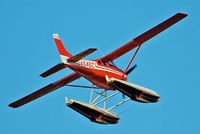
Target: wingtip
183,14
42,75
12,106
9,105
93,49
56,36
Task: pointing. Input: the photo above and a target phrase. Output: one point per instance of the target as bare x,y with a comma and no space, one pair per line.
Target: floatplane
103,74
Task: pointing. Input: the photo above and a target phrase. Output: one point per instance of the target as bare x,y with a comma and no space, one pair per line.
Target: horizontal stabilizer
135,92
54,69
81,55
45,90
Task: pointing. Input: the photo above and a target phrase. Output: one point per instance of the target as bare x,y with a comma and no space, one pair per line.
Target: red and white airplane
102,73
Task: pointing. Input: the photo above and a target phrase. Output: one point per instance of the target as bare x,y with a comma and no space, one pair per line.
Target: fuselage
96,70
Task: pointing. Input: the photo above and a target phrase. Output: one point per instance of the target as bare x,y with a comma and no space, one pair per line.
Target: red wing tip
184,14
93,48
10,105
42,75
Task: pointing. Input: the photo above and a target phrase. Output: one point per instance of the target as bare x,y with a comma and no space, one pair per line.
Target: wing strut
131,61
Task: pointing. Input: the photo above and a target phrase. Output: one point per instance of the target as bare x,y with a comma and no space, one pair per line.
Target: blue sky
168,63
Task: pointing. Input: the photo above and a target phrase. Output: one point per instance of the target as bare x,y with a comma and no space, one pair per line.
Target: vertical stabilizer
62,51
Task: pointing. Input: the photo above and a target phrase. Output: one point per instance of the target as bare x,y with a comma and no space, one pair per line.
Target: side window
104,63
99,62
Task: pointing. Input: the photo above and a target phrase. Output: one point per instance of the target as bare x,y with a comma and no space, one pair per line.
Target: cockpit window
107,63
104,63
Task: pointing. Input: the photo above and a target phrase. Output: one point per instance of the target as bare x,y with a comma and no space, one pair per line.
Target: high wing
144,37
45,90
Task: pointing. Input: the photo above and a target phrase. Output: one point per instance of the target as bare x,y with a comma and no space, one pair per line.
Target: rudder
61,48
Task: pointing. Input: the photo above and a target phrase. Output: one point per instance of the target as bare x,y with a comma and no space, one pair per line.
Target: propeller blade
131,69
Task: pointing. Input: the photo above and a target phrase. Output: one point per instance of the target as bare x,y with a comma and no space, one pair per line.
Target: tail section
62,51
66,57
53,70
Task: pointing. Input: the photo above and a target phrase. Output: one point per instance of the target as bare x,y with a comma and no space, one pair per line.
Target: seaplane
104,76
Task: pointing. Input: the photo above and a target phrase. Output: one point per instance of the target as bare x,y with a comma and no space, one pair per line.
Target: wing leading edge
45,90
144,37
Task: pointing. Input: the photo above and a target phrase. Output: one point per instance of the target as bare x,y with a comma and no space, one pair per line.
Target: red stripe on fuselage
96,73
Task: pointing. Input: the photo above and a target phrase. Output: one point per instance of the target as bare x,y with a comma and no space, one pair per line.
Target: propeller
131,69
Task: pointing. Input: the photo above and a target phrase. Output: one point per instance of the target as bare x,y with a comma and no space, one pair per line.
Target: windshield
111,64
